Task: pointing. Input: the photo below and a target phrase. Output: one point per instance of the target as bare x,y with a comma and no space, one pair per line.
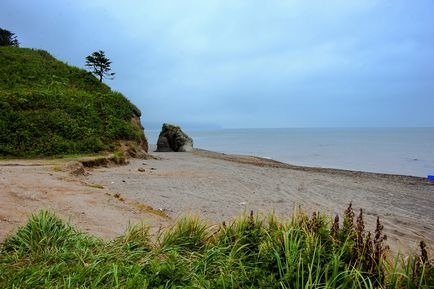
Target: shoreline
400,151
238,158
269,162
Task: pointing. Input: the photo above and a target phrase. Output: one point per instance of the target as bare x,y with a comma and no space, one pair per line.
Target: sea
403,151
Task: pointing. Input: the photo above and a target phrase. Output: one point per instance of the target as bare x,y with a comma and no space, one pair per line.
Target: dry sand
216,186
27,186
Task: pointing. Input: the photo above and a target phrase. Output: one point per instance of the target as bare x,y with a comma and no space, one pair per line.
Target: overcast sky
249,63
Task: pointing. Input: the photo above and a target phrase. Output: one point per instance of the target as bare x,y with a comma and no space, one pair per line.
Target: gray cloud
250,63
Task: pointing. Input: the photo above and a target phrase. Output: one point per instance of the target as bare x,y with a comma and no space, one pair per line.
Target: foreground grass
304,252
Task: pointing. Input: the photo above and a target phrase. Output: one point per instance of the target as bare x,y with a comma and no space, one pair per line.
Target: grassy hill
50,108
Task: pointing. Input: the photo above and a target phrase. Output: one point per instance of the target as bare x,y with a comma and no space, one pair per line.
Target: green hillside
50,108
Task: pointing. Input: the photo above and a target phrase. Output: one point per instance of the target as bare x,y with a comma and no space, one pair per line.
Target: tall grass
250,252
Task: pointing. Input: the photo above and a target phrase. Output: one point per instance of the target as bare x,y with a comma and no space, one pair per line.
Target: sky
249,64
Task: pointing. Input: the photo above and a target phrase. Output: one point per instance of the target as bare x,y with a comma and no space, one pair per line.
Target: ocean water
405,151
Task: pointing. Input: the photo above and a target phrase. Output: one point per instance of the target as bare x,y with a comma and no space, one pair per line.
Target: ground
30,185
216,186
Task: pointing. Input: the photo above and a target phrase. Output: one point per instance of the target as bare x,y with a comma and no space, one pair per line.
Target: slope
50,108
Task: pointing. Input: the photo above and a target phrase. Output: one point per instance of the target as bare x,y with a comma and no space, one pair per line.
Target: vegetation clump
50,108
100,65
8,38
303,252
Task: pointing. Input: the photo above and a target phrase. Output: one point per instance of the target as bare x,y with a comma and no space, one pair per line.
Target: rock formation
143,142
172,138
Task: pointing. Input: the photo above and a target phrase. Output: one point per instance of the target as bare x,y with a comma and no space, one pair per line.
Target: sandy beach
218,187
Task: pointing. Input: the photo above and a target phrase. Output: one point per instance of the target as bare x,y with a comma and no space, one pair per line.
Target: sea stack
173,139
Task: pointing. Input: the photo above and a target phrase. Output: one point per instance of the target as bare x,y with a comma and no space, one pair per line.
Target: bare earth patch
29,185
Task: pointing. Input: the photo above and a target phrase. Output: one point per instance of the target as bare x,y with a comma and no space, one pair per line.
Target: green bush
50,108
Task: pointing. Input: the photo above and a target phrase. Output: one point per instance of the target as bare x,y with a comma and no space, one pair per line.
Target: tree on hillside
8,38
100,65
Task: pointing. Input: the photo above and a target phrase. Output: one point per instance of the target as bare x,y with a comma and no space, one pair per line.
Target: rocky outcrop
143,142
135,148
173,139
